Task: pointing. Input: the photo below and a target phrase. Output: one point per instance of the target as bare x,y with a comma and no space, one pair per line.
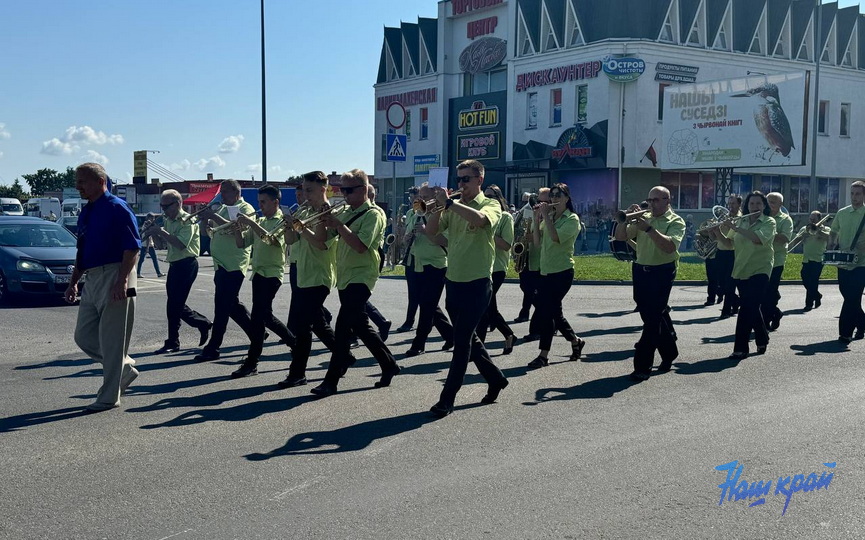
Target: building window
707,181
555,107
821,117
661,100
532,110
424,123
828,194
741,185
685,189
845,120
800,194
768,184
483,83
582,104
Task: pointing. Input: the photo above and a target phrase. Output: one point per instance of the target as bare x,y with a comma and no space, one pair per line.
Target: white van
43,207
10,207
72,207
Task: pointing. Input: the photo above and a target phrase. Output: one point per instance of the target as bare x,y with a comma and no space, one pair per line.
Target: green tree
49,180
14,191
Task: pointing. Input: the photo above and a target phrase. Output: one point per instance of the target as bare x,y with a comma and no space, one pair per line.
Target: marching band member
428,260
847,234
469,224
183,244
375,316
411,280
815,239
230,263
783,234
503,237
529,276
268,268
658,233
753,240
725,257
556,228
361,232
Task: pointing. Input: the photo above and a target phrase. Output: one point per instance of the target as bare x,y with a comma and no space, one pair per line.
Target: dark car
70,222
36,257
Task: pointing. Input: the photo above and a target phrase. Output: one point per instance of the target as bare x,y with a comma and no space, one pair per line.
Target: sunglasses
167,206
464,179
348,190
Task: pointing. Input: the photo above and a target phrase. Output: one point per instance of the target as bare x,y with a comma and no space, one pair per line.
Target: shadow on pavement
15,423
831,346
608,356
596,389
602,315
713,365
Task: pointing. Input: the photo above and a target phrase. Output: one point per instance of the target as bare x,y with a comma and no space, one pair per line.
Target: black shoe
205,333
324,390
709,301
639,376
448,345
735,310
531,337
775,323
387,377
167,349
206,356
738,355
726,314
808,307
761,349
384,330
493,392
665,367
859,335
521,319
577,349
720,300
817,302
353,344
413,352
845,339
441,410
509,344
406,326
539,362
246,369
291,382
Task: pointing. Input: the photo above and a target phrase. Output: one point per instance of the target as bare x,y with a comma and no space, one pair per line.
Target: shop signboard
423,164
623,69
483,55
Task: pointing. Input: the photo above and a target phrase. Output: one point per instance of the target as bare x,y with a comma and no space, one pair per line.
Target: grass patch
604,267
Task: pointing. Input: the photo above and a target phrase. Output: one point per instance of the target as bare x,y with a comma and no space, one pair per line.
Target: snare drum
840,258
622,250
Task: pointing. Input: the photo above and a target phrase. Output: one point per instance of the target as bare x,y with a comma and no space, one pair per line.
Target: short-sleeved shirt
783,225
505,230
754,259
424,251
813,246
301,213
224,249
845,225
534,252
106,228
187,233
315,267
668,224
354,267
471,250
729,234
268,260
558,257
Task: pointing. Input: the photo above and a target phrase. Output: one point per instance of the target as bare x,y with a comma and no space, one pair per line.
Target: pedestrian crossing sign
396,147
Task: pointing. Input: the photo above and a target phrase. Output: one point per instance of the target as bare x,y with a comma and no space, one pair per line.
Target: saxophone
520,250
409,241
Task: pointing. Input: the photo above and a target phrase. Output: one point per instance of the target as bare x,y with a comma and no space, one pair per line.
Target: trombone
232,226
799,238
300,224
432,206
728,220
285,222
215,205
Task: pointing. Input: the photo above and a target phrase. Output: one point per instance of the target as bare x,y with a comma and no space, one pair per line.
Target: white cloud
254,168
215,162
94,156
88,135
3,133
230,144
182,166
56,147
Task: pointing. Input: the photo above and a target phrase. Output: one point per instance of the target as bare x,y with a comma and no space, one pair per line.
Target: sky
95,80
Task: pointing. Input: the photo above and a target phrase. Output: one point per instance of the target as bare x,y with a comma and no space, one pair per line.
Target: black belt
655,268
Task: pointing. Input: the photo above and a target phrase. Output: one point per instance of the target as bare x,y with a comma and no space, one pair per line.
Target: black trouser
227,305
466,303
374,315
769,304
851,283
751,292
529,286
181,276
492,315
603,240
810,274
148,251
264,290
548,317
412,279
713,277
352,320
432,283
652,286
305,316
323,331
724,260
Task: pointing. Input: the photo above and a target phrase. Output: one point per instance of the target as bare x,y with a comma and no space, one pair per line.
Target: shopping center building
521,85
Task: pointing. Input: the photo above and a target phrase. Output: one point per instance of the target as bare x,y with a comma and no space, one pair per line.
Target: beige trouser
104,328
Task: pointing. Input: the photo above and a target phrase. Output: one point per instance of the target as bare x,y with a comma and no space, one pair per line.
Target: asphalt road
573,450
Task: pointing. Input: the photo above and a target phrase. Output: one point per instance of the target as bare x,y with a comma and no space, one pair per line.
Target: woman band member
503,236
752,240
556,229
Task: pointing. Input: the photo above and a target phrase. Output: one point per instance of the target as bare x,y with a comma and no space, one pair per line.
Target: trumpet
146,227
728,220
215,205
284,223
432,206
313,220
231,226
814,227
630,217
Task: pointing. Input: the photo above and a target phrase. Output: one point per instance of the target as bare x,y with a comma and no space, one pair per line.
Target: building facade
521,86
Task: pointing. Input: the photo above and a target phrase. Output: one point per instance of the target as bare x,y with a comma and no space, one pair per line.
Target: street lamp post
263,105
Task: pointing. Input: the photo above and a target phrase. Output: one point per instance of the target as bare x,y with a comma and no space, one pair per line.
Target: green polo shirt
471,251
668,224
293,253
223,248
315,267
534,252
559,257
812,245
729,234
354,267
845,225
505,230
753,259
268,260
425,251
187,233
783,225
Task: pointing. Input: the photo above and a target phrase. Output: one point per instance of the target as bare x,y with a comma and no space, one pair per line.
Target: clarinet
409,242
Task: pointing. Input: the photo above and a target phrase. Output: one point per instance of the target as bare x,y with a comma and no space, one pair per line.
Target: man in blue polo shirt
108,246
